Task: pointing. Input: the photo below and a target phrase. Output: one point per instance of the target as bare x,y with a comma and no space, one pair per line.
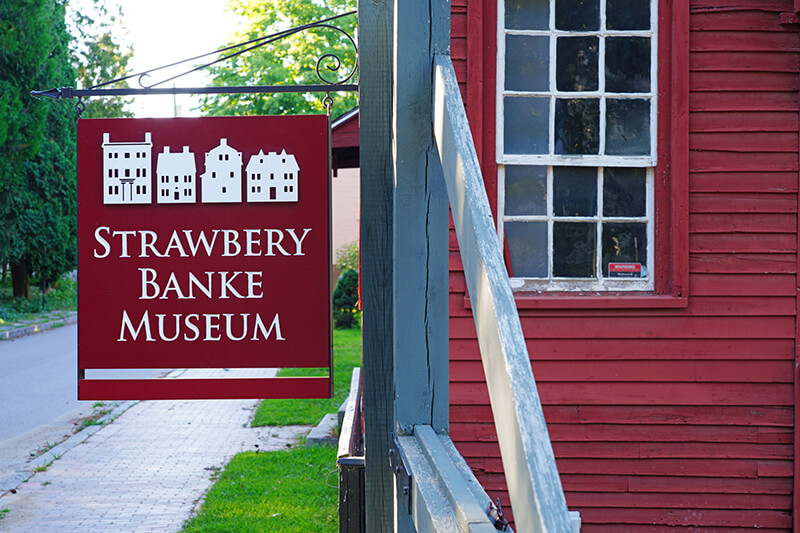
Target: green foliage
346,356
63,296
291,60
37,139
347,257
281,491
97,55
345,301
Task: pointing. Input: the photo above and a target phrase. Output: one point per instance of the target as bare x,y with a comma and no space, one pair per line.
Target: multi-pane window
577,142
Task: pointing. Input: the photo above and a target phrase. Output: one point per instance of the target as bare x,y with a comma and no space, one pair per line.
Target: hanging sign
204,243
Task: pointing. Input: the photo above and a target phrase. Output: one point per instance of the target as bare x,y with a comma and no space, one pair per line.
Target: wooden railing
533,482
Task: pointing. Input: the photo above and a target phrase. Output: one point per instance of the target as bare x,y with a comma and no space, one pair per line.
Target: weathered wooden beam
375,22
420,222
445,496
533,482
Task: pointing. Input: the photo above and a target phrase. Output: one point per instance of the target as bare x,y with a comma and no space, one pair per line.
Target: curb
36,328
20,476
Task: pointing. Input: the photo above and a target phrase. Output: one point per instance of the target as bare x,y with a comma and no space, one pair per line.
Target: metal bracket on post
401,475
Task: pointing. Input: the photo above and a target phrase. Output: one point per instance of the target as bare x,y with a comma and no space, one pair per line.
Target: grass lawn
284,491
346,355
290,490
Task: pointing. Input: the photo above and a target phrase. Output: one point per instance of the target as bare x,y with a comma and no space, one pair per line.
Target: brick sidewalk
144,473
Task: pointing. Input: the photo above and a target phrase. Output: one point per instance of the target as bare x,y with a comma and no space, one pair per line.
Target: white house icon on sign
175,177
126,171
222,180
272,177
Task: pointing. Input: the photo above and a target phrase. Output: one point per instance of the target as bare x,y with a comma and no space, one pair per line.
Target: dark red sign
204,243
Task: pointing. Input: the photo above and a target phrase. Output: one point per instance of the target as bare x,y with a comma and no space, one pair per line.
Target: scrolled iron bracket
328,61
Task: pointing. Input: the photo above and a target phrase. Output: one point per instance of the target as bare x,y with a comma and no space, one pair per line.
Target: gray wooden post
422,29
375,115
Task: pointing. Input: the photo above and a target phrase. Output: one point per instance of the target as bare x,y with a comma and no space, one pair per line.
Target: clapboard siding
681,417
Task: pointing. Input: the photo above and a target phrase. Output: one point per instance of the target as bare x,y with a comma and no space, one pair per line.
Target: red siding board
752,41
743,222
731,182
734,62
740,81
566,393
743,121
644,371
678,327
743,285
715,161
743,203
690,517
738,20
729,263
742,243
706,349
745,142
742,101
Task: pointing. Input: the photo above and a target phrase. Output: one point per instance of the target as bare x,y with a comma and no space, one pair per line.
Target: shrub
345,299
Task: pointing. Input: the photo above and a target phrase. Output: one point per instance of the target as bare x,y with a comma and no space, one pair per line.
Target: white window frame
600,283
553,93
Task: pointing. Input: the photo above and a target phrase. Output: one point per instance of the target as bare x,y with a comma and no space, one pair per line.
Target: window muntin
577,80
564,226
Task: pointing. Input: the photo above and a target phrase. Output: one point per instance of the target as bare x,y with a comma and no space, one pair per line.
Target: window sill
616,300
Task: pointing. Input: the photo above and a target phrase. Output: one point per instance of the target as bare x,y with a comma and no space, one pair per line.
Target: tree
292,60
37,142
97,56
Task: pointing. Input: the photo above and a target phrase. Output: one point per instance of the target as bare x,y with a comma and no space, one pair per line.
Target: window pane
624,192
628,64
574,192
579,15
576,64
624,243
527,14
627,127
526,190
574,249
627,15
527,245
526,125
527,59
577,126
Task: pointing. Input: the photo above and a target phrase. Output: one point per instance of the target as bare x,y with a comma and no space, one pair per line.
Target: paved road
38,394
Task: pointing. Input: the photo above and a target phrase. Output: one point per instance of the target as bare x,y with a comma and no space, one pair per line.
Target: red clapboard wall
660,417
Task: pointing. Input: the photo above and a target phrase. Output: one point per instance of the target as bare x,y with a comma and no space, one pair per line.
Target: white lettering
251,284
228,326
102,242
175,242
126,323
226,285
194,282
201,239
148,240
298,242
192,326
148,281
212,327
124,235
253,239
259,325
172,285
161,327
231,241
271,243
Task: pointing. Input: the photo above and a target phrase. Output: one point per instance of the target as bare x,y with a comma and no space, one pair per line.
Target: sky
166,31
